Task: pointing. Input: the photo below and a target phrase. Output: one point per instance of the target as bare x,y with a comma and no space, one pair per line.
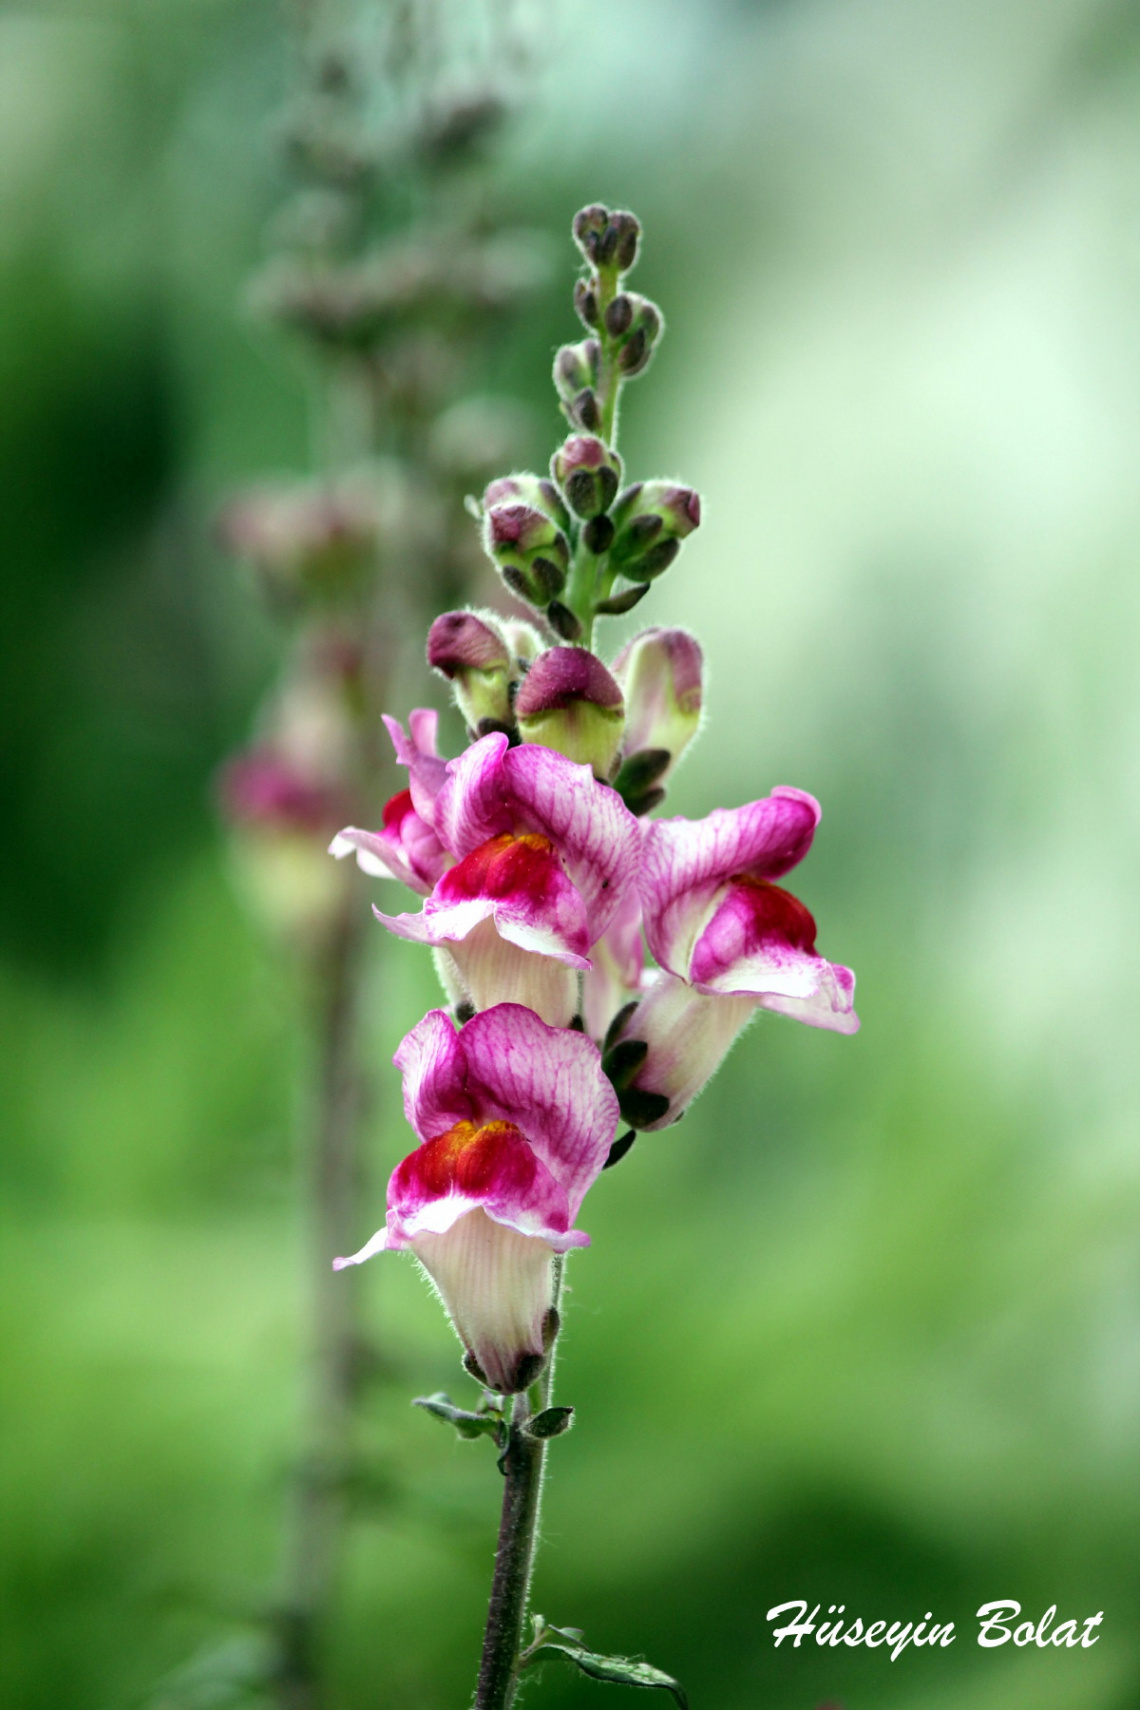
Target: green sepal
617,604
641,1109
640,772
622,1061
614,1029
621,1671
551,1422
469,1425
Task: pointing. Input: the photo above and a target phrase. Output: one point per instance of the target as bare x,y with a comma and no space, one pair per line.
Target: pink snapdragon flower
515,1121
546,856
728,941
406,847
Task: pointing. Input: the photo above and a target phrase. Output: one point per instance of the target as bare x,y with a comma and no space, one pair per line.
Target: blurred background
865,1328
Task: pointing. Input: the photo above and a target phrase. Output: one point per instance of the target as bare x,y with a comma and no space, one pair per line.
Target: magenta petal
492,1166
685,863
588,823
549,1082
433,1063
474,803
426,771
406,848
760,942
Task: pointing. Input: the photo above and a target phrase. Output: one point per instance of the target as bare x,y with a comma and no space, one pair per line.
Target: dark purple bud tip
561,676
460,641
619,316
583,410
586,301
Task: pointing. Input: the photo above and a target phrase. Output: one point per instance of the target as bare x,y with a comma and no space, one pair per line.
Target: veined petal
426,771
688,1035
494,970
508,1065
433,1062
549,1081
686,862
519,884
493,789
618,960
594,832
474,804
407,847
498,1288
760,942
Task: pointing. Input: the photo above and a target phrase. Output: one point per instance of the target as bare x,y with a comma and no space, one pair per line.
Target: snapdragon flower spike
515,1121
728,940
407,846
570,702
546,857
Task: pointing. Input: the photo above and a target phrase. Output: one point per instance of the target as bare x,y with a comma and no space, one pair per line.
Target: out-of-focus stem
333,1168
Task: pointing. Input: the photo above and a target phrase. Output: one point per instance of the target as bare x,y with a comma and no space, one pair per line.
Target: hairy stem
524,1466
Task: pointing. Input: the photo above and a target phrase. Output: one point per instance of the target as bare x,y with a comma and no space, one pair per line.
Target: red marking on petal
504,866
397,809
775,913
494,1161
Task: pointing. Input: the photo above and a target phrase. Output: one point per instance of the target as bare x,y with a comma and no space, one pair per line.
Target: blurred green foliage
865,1328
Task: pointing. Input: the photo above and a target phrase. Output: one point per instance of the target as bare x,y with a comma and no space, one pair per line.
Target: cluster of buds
597,964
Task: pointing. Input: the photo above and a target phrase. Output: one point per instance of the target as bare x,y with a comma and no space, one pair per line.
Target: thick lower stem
514,1559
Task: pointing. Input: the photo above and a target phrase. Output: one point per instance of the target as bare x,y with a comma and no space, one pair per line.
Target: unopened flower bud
570,702
586,301
470,650
640,333
523,640
584,411
619,315
588,473
530,549
598,535
651,518
576,369
659,672
534,490
607,239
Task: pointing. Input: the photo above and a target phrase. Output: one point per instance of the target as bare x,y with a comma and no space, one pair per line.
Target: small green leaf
569,1642
468,1424
620,1671
551,1422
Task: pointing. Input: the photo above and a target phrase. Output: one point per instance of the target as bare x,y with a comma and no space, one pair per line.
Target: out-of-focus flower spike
568,701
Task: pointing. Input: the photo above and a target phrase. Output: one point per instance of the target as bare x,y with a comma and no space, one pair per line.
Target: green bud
588,474
576,369
639,334
651,518
531,551
471,651
607,239
534,490
570,702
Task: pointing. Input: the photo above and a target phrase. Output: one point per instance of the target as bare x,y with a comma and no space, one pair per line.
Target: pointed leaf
621,1671
551,1422
468,1424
